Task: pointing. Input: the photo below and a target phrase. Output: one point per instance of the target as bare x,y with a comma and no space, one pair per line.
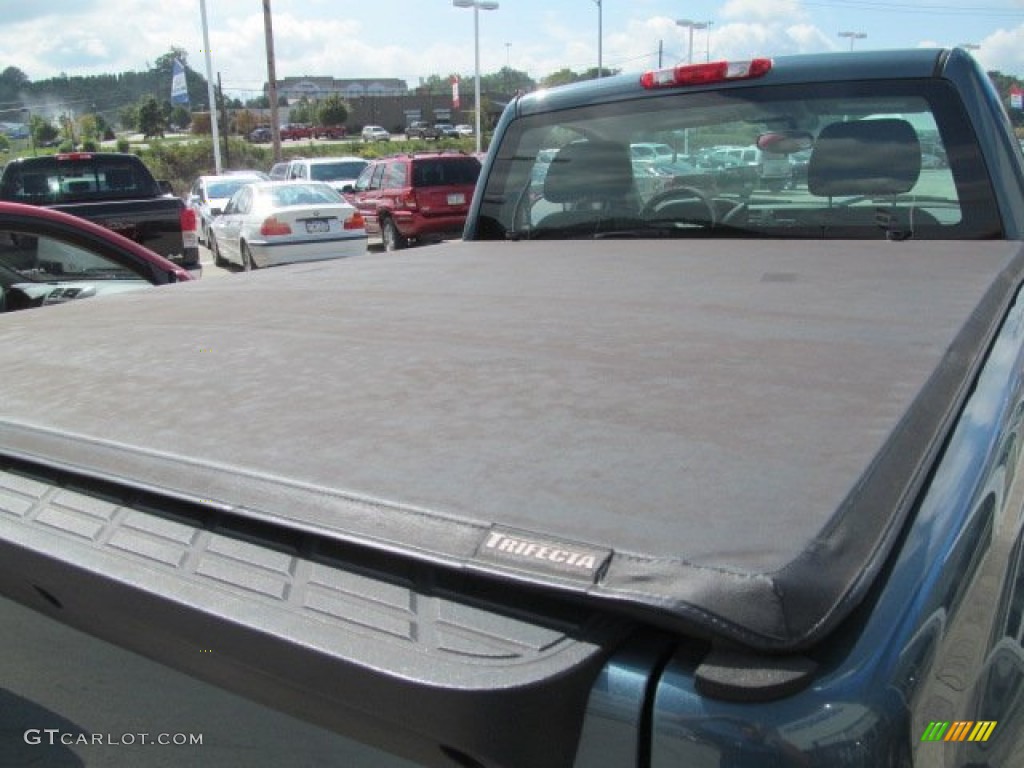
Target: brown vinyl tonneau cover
718,437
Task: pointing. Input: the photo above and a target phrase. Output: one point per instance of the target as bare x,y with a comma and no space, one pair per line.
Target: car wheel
247,263
389,233
218,259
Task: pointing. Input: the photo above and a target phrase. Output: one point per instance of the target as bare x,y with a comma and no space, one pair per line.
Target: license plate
456,198
316,226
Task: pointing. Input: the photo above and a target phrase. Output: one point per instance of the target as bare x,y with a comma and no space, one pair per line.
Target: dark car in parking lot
260,135
420,129
114,189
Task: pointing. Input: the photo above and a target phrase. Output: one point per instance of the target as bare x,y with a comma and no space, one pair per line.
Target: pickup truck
420,129
639,473
296,131
334,132
113,189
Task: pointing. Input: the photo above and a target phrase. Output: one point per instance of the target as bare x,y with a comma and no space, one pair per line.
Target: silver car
209,194
375,133
280,222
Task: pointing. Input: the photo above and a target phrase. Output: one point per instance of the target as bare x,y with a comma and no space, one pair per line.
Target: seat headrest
865,157
589,170
119,178
35,184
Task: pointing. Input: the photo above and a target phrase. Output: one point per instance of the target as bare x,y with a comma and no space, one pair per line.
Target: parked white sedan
280,222
209,194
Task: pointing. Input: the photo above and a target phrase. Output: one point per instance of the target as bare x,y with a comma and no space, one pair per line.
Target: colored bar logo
959,730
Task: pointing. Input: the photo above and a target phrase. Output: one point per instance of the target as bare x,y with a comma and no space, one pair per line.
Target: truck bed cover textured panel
714,439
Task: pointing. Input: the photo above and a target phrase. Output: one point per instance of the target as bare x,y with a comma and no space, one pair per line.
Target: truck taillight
272,226
355,221
189,228
704,74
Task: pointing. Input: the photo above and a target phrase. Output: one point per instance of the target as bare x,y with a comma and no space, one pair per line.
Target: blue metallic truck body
930,671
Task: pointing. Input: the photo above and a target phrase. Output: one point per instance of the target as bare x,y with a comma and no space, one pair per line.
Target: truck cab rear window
60,181
851,160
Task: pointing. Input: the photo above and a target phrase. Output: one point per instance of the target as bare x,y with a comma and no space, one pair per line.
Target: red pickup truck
330,132
296,131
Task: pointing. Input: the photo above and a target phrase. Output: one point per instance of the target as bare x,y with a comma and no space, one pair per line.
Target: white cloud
1002,51
772,12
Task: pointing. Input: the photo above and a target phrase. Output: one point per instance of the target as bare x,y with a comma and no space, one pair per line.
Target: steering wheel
738,209
703,212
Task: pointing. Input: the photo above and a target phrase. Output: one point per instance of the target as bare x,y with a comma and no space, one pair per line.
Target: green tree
14,78
332,111
180,116
436,84
506,81
165,63
129,117
301,111
591,74
245,121
152,118
42,130
88,128
67,132
12,83
561,77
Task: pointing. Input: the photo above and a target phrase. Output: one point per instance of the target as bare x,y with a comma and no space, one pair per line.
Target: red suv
415,197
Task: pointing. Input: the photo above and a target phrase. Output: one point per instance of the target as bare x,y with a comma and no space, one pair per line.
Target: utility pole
227,125
275,120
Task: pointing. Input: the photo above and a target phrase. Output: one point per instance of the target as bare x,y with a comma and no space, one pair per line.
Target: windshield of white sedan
225,189
837,160
302,194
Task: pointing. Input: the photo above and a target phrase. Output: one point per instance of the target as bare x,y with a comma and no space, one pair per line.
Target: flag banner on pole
179,88
455,93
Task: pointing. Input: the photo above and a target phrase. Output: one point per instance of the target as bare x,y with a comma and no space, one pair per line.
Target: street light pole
209,88
692,25
477,6
600,38
853,36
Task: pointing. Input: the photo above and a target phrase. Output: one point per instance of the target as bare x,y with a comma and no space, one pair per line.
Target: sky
413,39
